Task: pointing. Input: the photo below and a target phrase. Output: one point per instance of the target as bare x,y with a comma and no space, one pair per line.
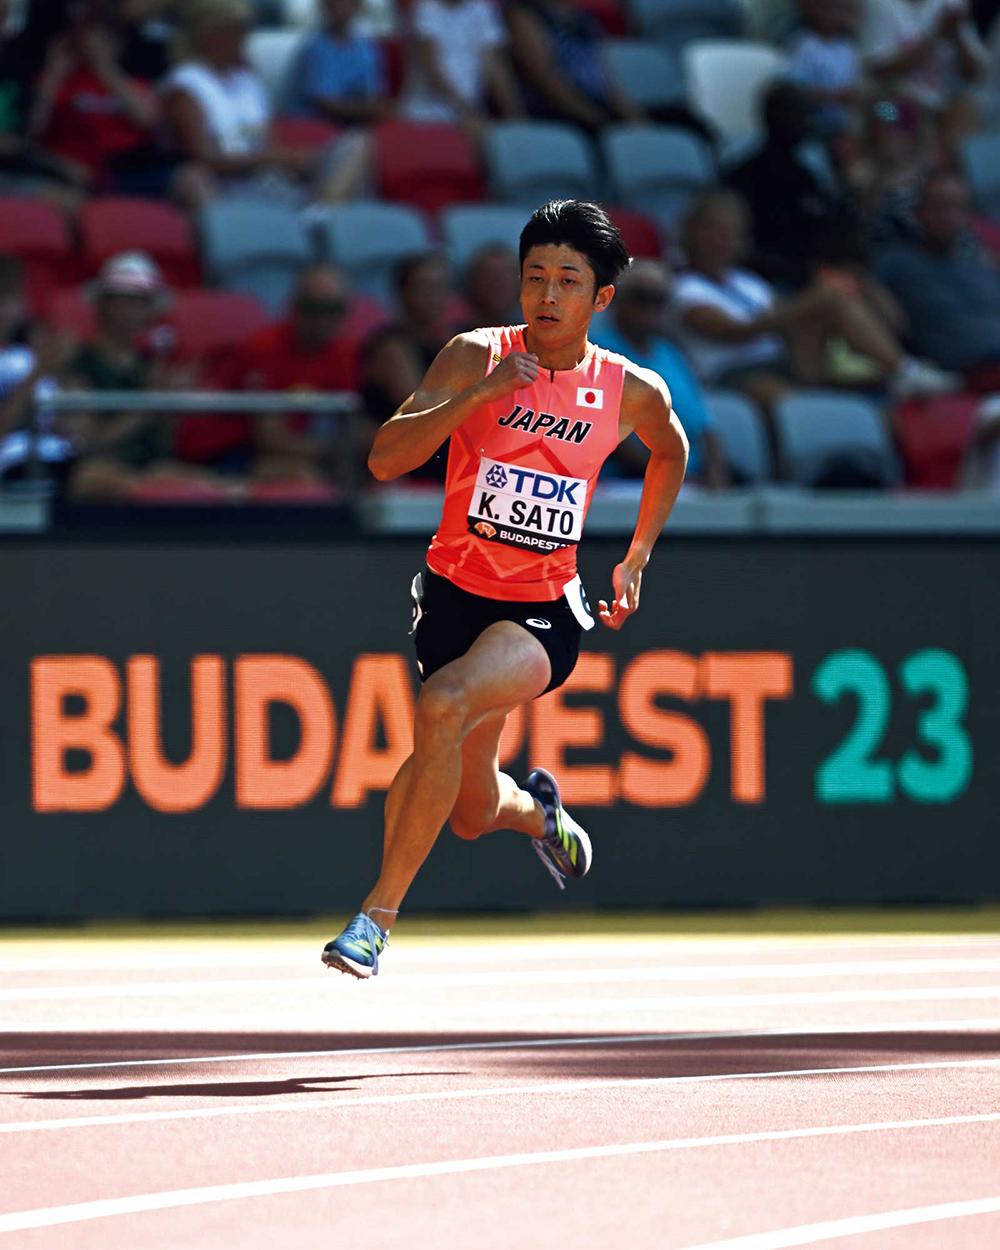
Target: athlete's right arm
454,386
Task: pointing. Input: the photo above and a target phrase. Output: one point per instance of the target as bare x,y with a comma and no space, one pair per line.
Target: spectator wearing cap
304,353
119,449
637,329
458,63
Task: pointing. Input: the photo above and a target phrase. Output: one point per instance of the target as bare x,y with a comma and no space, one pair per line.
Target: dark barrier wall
210,729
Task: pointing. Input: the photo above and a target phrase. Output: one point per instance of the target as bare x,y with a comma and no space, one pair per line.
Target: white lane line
776,998
417,981
562,1088
529,1043
72,1213
853,1226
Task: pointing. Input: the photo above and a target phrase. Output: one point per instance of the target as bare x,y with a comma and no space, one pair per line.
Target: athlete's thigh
503,668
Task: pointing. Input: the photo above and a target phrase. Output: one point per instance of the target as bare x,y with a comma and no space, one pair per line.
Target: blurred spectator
772,21
25,167
558,51
304,354
797,219
391,371
340,76
458,62
28,357
825,61
426,303
738,333
948,286
148,29
492,287
218,115
926,52
638,319
89,112
120,449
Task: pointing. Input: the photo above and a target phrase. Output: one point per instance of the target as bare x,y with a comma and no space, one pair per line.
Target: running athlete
533,411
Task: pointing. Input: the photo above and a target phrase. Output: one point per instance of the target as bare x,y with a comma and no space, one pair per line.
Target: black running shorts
447,621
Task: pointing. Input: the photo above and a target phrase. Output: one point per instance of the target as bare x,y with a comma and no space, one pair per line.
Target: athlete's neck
558,357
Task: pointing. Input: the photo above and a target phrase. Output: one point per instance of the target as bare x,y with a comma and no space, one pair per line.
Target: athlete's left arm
646,410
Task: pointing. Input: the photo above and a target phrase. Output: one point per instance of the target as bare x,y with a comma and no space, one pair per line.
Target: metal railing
342,405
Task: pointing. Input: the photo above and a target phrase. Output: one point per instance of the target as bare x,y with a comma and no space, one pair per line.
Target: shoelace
557,875
363,928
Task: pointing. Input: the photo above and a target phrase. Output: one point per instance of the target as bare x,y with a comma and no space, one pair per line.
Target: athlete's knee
443,707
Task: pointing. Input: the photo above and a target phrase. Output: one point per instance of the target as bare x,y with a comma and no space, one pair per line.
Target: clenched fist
514,371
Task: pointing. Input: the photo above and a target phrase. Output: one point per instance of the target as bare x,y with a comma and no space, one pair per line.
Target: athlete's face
559,294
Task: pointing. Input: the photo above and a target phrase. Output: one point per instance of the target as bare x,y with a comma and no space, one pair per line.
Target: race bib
527,507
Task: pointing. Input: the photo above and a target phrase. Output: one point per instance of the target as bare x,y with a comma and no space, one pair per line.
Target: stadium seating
303,132
642,236
254,247
367,240
610,13
649,74
530,162
676,22
208,322
724,81
272,54
426,165
465,228
744,440
827,434
38,234
981,156
934,434
656,169
114,224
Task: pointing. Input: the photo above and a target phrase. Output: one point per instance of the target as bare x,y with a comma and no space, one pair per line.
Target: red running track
725,1094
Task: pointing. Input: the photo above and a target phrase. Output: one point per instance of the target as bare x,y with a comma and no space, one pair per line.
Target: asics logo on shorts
539,622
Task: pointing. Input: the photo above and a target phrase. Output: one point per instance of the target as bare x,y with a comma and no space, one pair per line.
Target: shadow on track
225,1089
549,1054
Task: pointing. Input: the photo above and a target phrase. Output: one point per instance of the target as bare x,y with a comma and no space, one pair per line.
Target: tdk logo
496,477
541,486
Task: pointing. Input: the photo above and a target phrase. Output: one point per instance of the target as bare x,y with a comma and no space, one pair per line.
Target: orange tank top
521,473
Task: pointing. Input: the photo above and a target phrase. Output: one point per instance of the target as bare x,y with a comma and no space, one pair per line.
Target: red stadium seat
176,490
610,13
208,322
290,492
933,435
303,132
641,234
426,165
394,51
38,233
113,224
70,309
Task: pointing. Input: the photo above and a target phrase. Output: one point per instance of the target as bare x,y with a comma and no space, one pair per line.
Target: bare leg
489,799
504,668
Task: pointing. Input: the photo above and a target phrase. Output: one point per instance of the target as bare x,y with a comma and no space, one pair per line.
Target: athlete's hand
514,371
626,582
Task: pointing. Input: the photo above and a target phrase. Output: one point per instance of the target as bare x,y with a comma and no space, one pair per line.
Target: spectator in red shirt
89,112
302,353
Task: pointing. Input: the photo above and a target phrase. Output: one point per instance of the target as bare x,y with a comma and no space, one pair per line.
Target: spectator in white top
927,52
738,333
458,62
218,114
825,61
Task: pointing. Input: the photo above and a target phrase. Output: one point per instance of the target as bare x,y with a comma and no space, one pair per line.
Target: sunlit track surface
534,1083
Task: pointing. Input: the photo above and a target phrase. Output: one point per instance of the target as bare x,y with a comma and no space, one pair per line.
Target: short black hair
583,226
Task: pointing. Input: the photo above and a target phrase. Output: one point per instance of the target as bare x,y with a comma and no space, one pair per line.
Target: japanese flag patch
589,397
